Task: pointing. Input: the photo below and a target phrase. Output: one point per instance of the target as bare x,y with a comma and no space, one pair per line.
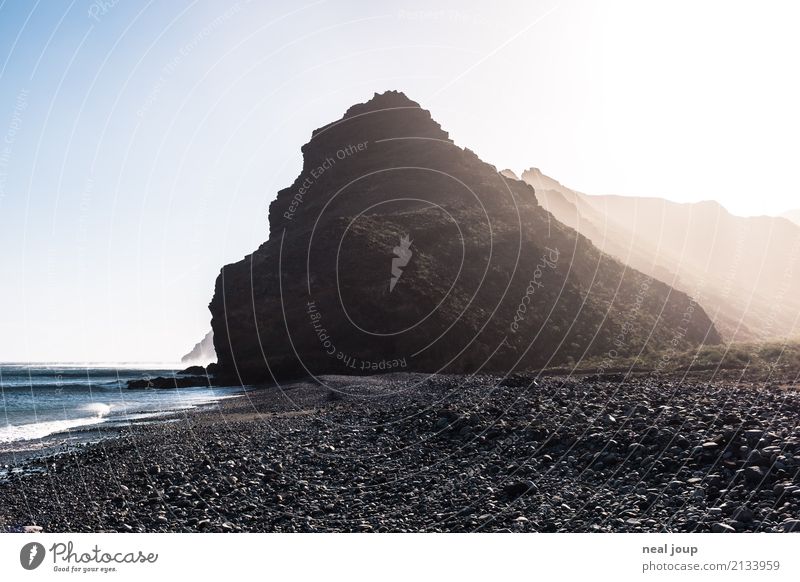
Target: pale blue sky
141,142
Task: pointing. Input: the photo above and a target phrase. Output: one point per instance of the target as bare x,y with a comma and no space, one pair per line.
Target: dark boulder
193,371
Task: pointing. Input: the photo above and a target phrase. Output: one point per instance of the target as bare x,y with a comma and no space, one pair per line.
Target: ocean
46,405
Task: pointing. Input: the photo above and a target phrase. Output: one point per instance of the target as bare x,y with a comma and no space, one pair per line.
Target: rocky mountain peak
382,101
378,117
395,249
539,180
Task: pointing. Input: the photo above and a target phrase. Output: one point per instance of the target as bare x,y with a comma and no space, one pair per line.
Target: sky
141,142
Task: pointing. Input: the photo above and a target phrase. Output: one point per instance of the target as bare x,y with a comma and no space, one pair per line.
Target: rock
743,514
203,351
519,488
722,528
398,266
32,529
193,371
519,381
754,475
752,436
756,457
166,383
441,424
269,475
791,525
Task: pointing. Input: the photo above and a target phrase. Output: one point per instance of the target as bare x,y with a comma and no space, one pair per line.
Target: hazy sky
143,141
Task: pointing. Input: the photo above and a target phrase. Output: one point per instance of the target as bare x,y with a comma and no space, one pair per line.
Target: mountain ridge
793,216
488,280
203,351
671,241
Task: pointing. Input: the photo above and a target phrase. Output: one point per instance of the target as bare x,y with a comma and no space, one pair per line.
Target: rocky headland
397,250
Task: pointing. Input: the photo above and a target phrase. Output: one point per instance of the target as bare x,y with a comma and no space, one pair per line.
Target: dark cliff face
397,250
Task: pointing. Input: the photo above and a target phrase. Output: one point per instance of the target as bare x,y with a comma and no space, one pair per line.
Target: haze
143,142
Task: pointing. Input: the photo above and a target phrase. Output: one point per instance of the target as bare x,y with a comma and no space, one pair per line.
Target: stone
328,302
791,525
441,424
519,488
752,436
743,514
754,475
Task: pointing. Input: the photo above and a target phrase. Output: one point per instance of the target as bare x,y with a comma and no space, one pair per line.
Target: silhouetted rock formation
203,352
168,382
395,249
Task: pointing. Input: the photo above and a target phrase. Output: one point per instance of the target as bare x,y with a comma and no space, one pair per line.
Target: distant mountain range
793,215
396,249
203,352
745,271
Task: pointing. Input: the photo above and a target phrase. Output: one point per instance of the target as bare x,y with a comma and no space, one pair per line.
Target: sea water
37,401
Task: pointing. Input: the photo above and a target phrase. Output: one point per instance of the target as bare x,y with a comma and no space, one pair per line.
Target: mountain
744,269
203,352
793,215
395,249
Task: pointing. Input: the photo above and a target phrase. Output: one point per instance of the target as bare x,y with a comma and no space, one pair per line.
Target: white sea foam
37,430
98,409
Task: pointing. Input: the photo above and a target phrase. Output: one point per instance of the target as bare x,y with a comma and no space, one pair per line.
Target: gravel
408,453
